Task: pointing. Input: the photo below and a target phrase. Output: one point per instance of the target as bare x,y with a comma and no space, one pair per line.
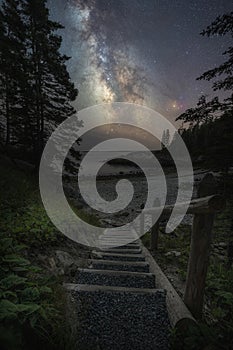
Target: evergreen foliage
35,87
210,131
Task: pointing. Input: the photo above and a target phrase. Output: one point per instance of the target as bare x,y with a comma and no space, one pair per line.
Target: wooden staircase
117,303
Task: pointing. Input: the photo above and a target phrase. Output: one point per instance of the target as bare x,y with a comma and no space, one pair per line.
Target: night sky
144,51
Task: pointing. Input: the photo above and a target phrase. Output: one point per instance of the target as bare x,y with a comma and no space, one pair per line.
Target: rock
222,245
60,272
52,264
64,258
97,254
67,265
173,252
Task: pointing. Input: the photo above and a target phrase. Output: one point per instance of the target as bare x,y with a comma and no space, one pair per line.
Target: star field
144,51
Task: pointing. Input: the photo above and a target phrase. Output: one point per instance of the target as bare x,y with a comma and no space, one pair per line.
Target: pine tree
51,88
208,110
210,123
221,26
12,59
35,86
165,139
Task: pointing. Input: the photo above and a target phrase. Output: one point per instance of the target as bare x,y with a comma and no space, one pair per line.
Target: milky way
148,52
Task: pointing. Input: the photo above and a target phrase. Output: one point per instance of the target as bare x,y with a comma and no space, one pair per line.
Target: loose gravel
121,320
117,305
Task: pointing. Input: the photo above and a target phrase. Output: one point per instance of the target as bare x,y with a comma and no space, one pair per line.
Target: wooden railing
203,210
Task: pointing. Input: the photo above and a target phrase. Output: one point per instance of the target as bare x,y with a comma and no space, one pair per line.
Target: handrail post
155,230
198,262
199,252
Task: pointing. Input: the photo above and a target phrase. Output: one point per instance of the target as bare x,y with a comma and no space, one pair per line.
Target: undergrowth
216,328
32,300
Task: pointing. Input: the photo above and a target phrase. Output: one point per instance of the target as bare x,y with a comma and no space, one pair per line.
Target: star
140,51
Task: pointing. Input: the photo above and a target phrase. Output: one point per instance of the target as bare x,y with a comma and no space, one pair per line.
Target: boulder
64,258
174,253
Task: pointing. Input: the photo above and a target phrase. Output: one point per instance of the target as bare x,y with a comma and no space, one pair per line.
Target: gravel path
117,304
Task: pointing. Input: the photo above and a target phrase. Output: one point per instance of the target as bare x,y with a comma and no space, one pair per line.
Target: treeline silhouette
35,87
210,125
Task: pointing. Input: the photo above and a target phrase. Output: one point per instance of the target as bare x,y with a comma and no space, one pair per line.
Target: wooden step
126,246
123,251
135,266
116,278
115,318
115,256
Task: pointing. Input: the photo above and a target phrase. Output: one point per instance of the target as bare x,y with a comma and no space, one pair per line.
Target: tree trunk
8,123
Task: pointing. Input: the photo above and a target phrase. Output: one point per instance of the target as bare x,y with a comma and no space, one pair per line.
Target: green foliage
219,291
23,215
146,239
26,297
218,334
194,338
216,331
29,222
32,301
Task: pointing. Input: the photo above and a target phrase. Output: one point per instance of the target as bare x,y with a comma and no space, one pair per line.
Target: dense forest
36,90
36,95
